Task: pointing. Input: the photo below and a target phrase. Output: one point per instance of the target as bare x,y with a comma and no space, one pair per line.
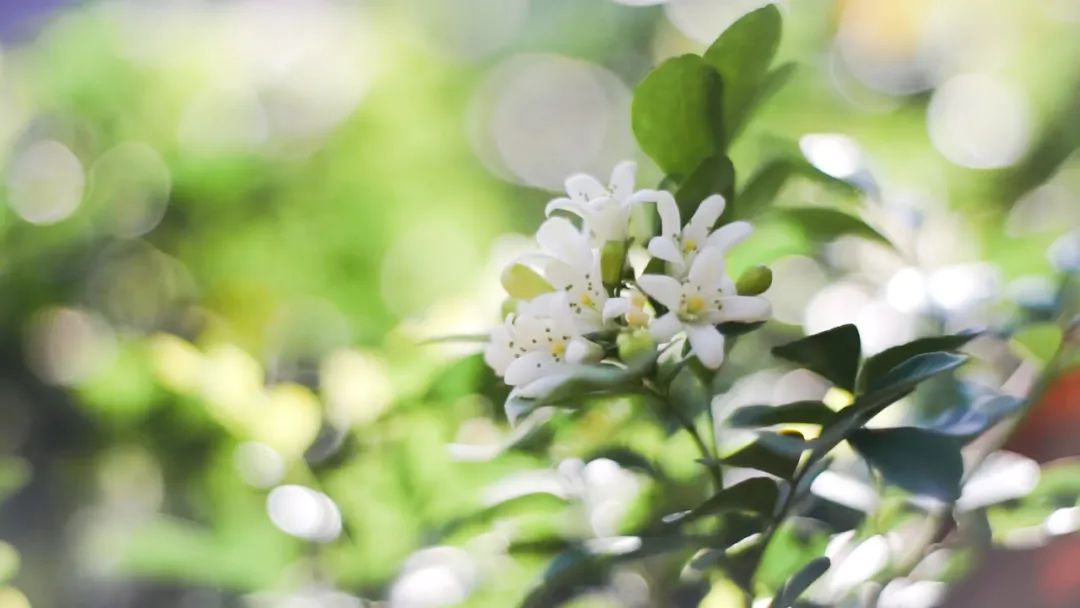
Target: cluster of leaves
688,112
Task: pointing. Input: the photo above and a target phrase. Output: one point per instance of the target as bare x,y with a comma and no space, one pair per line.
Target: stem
709,460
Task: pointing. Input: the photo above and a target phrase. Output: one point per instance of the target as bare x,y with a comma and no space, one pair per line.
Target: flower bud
612,258
634,343
754,281
524,283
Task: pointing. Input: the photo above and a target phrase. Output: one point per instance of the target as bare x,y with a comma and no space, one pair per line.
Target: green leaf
802,580
674,114
583,382
825,224
911,372
767,182
742,55
882,363
755,495
833,353
715,175
799,412
920,461
966,422
759,455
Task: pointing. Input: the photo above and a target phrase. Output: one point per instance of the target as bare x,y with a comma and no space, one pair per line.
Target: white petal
665,289
561,239
583,188
615,307
666,249
498,354
608,219
665,328
729,235
707,270
744,308
562,318
707,343
565,204
529,367
622,180
581,350
670,220
706,215
541,386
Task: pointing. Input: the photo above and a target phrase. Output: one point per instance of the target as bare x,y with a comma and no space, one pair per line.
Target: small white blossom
678,245
541,341
571,264
696,304
605,210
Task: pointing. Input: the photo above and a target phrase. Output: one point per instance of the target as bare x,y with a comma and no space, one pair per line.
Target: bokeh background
227,228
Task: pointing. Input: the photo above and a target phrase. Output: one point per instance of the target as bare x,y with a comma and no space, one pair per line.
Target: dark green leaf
882,363
715,175
920,461
966,422
795,587
759,455
742,55
799,412
674,114
825,224
833,353
911,372
755,495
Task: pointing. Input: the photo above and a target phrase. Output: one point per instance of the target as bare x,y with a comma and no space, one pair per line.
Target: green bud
612,259
523,282
634,343
754,281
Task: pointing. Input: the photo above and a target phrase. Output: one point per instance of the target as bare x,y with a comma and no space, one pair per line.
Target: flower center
694,304
558,348
689,246
587,301
636,317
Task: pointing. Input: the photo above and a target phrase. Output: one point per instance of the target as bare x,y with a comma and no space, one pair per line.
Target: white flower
678,245
696,304
632,305
540,341
605,210
571,264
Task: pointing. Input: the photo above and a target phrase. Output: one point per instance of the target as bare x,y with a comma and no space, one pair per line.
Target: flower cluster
579,288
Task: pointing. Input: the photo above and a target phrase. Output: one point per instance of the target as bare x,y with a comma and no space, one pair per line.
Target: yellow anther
689,246
587,301
558,348
637,318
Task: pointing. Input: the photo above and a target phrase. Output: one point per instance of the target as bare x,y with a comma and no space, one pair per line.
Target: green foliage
675,114
833,353
798,584
915,459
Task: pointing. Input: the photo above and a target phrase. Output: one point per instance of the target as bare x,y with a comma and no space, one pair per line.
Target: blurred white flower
541,341
696,304
678,245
